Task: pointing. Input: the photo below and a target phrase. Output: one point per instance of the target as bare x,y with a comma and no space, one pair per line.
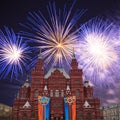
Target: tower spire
40,54
73,53
74,63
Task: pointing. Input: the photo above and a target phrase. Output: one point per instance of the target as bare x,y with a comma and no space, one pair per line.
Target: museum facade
56,95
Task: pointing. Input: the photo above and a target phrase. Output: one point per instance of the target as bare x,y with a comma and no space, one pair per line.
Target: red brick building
56,85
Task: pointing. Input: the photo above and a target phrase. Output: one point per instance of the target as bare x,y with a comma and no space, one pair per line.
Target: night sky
13,12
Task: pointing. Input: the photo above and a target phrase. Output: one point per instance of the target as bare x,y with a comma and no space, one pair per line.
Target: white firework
98,50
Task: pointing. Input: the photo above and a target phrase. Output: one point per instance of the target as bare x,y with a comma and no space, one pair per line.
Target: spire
86,82
39,63
73,57
74,64
26,84
27,105
40,54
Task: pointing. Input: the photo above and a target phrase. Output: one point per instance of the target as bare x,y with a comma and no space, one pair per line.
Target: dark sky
13,12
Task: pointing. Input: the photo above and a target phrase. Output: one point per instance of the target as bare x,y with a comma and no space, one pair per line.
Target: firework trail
98,51
15,55
56,32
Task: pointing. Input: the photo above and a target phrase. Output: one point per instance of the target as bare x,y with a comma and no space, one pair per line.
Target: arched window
81,114
77,93
24,94
62,93
36,93
56,93
24,117
88,117
33,114
51,93
89,94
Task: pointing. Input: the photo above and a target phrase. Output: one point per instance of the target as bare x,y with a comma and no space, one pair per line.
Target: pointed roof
73,57
86,84
53,69
74,63
40,54
27,84
68,87
45,87
27,105
86,104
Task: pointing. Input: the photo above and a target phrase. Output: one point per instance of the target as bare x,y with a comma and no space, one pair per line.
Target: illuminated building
111,112
68,96
5,112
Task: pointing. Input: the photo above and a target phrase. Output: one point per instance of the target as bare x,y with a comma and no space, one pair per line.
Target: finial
73,53
45,87
68,87
40,54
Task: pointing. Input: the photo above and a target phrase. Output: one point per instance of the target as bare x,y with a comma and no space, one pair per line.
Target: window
81,114
57,105
36,101
88,94
36,93
62,93
24,95
56,93
77,93
51,93
88,117
33,114
24,117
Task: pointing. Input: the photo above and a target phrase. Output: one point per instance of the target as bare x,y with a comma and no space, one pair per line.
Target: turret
88,90
37,77
38,69
76,79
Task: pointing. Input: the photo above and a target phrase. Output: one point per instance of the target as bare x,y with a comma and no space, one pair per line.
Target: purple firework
98,51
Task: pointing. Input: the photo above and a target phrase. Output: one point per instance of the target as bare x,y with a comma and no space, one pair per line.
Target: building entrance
57,118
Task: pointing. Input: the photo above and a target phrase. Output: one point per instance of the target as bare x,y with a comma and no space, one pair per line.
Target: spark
12,53
98,51
56,33
15,55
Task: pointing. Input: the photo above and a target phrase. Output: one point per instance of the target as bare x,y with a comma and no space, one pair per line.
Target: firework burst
56,34
98,51
14,55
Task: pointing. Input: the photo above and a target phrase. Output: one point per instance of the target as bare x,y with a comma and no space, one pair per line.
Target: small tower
45,91
39,69
76,78
88,90
38,77
68,91
74,64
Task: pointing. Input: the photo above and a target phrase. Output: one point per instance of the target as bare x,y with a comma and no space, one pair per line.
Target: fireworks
98,51
56,34
14,55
